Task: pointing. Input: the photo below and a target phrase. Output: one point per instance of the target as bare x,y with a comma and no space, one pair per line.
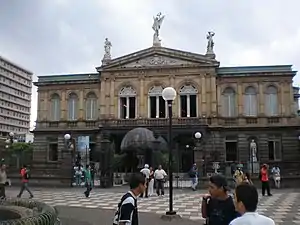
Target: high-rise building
15,98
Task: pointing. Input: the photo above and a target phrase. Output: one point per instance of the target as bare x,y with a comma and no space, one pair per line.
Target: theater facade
229,106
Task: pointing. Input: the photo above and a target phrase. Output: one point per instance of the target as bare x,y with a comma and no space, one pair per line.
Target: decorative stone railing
22,211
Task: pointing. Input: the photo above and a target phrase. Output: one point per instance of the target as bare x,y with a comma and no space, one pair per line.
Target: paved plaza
283,206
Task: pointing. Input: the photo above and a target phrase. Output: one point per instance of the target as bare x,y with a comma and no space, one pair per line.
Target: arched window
127,103
91,106
271,101
55,108
73,107
229,102
156,103
188,101
250,102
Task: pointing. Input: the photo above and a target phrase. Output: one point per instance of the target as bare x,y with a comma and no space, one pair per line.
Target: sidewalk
84,216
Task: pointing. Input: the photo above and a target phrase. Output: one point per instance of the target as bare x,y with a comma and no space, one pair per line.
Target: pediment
159,57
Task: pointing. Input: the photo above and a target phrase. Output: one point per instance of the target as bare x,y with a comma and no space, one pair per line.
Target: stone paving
283,206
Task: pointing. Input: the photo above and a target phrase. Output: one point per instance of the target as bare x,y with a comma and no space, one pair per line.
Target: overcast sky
66,36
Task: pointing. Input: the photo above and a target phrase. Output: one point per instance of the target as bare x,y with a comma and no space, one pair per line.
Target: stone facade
226,104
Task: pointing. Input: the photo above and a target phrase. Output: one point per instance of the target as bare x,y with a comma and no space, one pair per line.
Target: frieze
157,60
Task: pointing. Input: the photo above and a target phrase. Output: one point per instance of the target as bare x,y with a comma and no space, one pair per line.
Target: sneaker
31,197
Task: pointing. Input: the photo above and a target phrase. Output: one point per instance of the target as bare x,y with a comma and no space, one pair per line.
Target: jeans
88,189
25,187
194,183
78,179
2,191
265,186
160,187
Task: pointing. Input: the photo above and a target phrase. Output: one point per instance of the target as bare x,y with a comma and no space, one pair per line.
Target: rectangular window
274,150
183,106
231,151
152,106
123,107
162,107
193,106
132,106
53,152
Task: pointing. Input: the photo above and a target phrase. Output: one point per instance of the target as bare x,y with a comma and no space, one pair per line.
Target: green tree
22,152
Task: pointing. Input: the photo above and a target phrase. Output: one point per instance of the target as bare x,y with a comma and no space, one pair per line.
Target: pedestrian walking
24,179
264,178
246,201
146,172
151,182
3,181
88,181
160,179
127,212
193,173
276,176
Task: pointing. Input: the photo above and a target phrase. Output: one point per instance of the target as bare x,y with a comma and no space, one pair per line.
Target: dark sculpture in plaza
29,212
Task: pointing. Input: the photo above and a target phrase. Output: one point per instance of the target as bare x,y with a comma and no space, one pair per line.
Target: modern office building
15,98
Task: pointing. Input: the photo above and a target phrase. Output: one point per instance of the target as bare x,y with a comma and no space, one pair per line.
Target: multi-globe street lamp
169,95
10,140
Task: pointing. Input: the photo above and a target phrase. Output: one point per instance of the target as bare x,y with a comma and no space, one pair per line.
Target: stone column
81,105
157,106
112,97
149,109
203,102
127,108
63,105
214,95
102,98
261,101
240,98
188,108
142,103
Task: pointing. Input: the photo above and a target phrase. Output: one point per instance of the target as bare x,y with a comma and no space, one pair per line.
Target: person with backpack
24,179
127,211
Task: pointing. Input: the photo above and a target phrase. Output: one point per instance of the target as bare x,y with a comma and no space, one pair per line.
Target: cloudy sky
66,36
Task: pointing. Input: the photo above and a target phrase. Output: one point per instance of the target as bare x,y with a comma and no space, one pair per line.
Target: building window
127,103
91,106
188,106
250,102
271,101
55,107
231,149
73,107
53,152
229,103
274,149
156,104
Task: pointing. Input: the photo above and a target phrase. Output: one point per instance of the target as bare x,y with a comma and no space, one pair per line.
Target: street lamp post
198,136
169,95
69,147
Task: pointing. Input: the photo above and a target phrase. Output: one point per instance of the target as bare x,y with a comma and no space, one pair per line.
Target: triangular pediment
159,57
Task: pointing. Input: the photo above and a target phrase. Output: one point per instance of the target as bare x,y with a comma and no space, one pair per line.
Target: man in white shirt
276,176
246,200
159,176
146,172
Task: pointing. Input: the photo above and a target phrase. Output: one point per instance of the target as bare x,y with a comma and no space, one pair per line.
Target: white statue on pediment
156,27
210,42
107,49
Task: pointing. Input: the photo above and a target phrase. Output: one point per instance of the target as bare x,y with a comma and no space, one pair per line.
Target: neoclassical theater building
230,106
